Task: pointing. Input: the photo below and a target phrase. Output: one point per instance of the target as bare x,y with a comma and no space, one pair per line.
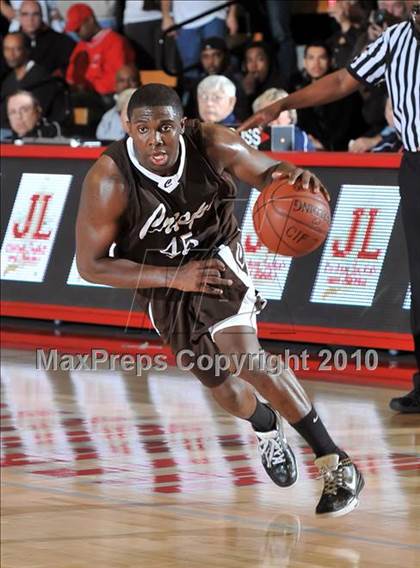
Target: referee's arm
367,68
331,88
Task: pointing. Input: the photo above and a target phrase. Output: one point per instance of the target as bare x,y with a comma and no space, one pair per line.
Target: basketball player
165,197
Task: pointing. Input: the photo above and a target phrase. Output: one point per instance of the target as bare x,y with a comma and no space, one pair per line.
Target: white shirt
110,127
134,13
185,9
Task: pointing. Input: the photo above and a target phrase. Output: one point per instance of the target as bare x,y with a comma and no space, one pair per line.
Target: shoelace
333,479
272,452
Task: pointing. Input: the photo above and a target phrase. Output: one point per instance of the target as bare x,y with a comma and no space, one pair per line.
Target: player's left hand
308,180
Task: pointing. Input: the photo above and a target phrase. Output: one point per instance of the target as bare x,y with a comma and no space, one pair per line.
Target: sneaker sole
348,509
350,506
404,410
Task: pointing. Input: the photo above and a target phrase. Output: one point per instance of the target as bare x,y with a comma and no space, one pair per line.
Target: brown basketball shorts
188,325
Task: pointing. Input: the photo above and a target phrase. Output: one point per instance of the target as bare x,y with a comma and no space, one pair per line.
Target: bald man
50,49
27,75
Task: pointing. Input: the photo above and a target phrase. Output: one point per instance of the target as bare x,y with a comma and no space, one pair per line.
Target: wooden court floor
107,469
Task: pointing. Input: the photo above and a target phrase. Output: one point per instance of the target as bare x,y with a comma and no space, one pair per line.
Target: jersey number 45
180,245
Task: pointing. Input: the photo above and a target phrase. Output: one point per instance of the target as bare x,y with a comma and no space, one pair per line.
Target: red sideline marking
84,344
340,159
323,159
397,377
336,336
74,313
286,332
48,152
67,472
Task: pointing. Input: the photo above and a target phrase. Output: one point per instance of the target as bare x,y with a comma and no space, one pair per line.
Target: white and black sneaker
342,484
277,457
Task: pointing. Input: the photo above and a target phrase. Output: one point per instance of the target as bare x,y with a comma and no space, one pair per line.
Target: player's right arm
330,88
102,204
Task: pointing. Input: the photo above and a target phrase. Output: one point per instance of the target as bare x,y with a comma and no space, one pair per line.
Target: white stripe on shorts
247,313
151,317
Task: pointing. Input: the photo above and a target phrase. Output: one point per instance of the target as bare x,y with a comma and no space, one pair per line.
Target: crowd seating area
67,67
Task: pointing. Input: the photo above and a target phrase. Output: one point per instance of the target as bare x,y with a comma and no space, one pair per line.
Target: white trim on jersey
167,183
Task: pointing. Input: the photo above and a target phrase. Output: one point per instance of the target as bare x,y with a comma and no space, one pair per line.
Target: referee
395,58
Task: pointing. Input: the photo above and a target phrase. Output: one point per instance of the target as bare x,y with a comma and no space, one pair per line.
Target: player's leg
175,324
343,482
237,397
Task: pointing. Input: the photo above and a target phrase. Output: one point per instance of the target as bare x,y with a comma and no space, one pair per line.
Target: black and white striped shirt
395,57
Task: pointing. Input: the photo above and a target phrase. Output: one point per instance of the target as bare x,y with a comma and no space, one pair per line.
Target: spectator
331,126
215,60
127,77
190,36
105,11
214,56
378,22
50,14
4,68
261,72
143,27
281,35
50,49
302,142
342,43
399,9
122,104
99,54
374,97
386,141
25,117
216,100
27,75
110,127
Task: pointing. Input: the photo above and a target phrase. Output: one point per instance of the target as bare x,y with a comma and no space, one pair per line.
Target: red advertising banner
33,225
357,243
268,271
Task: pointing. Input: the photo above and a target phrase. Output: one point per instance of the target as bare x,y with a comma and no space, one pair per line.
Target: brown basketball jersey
175,219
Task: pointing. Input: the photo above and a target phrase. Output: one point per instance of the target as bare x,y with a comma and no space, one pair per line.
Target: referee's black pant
409,180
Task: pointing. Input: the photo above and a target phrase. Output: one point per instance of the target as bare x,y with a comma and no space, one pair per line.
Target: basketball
291,221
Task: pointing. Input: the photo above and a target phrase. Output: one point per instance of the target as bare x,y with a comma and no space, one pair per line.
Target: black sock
263,419
314,432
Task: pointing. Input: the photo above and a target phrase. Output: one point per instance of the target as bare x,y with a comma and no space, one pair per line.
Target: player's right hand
202,276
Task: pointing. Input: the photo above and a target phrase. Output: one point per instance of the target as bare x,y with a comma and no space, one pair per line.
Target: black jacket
49,91
52,50
334,124
43,129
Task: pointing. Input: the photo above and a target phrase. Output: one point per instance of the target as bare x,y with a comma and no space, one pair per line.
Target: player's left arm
229,152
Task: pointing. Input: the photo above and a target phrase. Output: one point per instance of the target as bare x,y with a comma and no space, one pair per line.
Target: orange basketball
291,221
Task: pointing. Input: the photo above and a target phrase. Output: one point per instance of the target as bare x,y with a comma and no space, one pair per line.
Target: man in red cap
98,56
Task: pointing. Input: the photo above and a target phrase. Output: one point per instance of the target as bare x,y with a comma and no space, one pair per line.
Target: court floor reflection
129,470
